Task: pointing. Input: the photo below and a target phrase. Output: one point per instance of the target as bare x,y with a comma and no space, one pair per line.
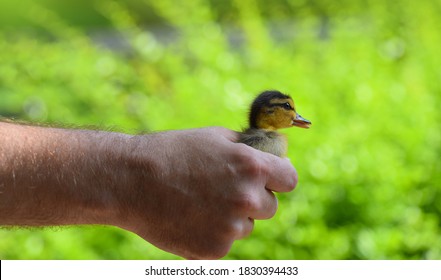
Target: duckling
270,111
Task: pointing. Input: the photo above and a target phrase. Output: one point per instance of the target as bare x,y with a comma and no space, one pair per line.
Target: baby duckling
271,110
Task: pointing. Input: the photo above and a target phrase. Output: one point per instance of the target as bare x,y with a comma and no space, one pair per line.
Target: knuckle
250,165
255,168
245,203
241,154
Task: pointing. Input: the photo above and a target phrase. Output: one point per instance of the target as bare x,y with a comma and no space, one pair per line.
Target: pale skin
189,192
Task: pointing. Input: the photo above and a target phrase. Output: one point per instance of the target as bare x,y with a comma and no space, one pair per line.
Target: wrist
109,179
134,188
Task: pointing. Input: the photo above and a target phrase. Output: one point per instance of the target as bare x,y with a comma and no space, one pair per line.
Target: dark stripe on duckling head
262,100
284,105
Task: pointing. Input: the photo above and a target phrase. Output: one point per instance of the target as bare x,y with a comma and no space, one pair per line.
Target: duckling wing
266,141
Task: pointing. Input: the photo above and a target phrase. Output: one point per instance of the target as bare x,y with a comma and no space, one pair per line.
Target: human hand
197,191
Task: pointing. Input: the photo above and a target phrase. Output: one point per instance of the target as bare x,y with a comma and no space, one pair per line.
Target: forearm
54,176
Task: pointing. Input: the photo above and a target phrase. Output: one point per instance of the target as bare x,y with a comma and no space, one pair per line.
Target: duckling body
265,140
270,111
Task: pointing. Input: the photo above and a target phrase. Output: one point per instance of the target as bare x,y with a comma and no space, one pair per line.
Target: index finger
281,174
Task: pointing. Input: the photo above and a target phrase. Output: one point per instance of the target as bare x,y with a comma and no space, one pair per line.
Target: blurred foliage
365,72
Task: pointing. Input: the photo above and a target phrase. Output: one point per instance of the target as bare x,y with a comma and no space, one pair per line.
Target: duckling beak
301,122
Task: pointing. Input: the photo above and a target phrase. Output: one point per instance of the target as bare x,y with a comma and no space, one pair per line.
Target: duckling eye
287,106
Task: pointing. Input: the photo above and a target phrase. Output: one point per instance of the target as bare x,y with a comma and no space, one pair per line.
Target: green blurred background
366,73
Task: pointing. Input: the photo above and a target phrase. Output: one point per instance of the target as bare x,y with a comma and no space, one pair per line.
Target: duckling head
272,110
